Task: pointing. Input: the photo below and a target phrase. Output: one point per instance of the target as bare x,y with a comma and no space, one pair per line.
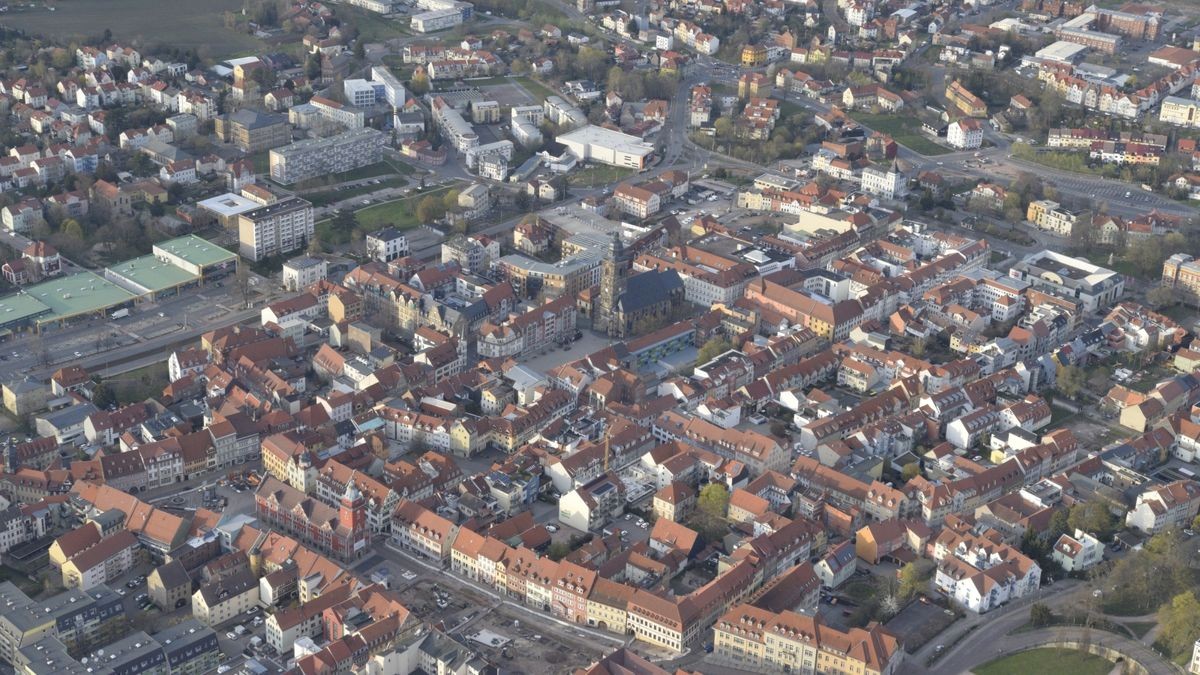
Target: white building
597,144
1163,507
1078,553
363,93
454,127
965,134
1094,286
387,244
438,19
303,272
887,183
277,228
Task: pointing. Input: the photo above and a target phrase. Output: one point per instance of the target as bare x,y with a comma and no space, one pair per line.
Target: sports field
178,23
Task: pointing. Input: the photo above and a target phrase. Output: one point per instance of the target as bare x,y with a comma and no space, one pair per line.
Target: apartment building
1053,217
1183,112
252,130
322,156
963,101
275,229
636,200
453,126
1163,507
1182,273
965,134
343,115
889,183
759,640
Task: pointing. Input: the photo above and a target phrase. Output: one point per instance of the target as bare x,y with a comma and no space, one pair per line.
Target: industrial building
597,144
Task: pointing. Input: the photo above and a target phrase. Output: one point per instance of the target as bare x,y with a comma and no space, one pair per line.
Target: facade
1078,553
965,134
387,244
303,272
225,598
759,640
253,131
1165,507
597,144
1182,273
275,229
1095,287
887,183
321,156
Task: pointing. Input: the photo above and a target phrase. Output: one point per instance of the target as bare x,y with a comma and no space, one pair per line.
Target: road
988,636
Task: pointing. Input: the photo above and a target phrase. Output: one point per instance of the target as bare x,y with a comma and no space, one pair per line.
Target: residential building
1163,507
322,156
275,229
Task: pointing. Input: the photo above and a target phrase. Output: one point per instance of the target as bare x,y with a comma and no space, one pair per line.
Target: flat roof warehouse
174,264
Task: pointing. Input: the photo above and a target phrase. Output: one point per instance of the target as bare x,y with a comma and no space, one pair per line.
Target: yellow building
607,606
1180,111
754,639
754,56
219,601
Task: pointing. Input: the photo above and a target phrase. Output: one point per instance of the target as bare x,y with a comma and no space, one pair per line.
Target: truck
120,313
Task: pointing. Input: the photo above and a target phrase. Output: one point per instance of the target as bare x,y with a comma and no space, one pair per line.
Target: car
231,636
121,592
1190,533
628,516
78,354
552,529
624,533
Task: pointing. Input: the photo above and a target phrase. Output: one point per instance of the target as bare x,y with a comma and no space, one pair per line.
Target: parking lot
919,623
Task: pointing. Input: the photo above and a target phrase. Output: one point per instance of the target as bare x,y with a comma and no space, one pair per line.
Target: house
1163,507
837,566
1078,553
675,501
965,134
169,586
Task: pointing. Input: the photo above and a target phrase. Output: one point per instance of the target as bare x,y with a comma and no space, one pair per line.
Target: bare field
178,23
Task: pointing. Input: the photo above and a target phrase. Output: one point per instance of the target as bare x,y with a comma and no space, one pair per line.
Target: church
637,304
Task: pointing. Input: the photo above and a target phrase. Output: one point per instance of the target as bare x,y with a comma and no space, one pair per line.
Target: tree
360,50
1161,296
450,200
419,84
709,518
713,500
430,209
1093,516
910,471
1179,620
558,550
1040,614
914,577
71,228
103,396
312,68
1071,380
1059,525
713,348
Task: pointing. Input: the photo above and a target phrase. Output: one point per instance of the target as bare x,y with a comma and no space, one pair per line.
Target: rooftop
148,274
195,250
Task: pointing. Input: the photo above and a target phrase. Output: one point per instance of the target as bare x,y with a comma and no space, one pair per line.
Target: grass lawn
141,384
261,162
178,23
1048,661
371,26
906,131
599,174
1140,628
535,88
1118,264
860,591
331,196
30,588
399,213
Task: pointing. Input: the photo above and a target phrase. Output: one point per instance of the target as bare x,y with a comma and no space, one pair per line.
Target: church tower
613,275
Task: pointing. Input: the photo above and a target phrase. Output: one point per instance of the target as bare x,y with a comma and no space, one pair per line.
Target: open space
599,174
1047,661
178,23
905,129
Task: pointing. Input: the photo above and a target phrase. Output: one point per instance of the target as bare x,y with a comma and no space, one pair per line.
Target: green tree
1179,621
1040,614
419,84
1060,524
71,228
1161,296
312,68
1071,380
1093,516
910,471
430,209
103,396
360,50
558,550
450,200
914,577
713,500
713,348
